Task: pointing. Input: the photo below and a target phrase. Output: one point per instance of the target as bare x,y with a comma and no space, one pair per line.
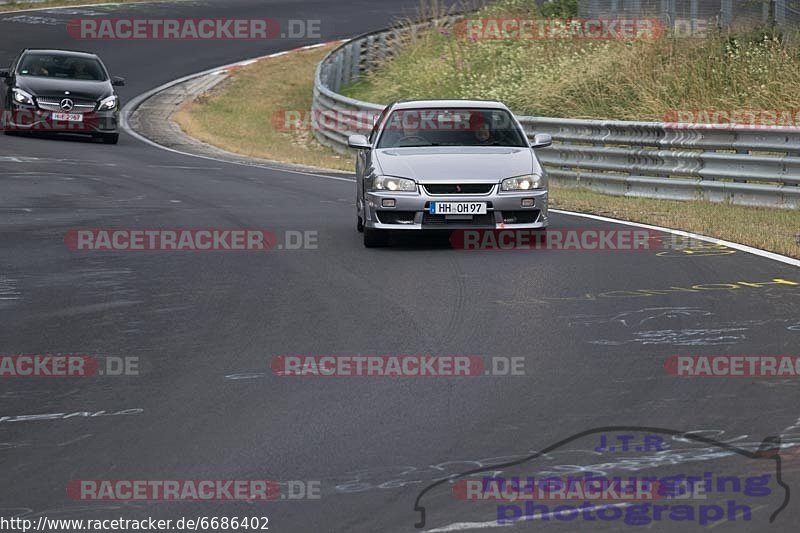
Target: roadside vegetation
634,79
263,111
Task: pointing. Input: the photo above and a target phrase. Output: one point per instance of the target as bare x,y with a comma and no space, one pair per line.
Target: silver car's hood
448,164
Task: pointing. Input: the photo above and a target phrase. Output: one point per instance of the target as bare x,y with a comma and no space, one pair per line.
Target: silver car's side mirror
358,142
542,140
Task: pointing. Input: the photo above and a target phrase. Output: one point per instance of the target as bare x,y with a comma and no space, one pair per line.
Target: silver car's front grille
458,188
54,104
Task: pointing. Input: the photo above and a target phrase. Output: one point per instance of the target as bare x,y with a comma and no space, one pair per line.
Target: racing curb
164,101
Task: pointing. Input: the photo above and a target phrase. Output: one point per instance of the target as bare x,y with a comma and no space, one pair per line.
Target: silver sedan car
448,165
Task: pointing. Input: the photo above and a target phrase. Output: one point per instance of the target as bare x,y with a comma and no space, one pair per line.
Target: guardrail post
338,72
370,53
725,13
355,61
668,12
347,65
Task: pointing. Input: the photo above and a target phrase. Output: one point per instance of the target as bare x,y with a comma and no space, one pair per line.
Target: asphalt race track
594,329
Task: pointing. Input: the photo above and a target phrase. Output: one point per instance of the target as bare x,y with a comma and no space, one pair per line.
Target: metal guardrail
345,64
721,13
741,165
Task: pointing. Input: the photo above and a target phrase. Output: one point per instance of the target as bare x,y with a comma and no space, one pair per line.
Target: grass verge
249,113
774,230
238,118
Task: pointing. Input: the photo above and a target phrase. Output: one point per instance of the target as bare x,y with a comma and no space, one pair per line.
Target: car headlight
109,103
522,183
392,184
21,97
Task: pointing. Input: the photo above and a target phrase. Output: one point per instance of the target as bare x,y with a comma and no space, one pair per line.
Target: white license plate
457,208
68,117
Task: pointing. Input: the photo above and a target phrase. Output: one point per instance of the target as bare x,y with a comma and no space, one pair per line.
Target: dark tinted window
450,127
58,66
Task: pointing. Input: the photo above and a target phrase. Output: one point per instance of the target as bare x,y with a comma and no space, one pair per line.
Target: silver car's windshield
405,128
61,66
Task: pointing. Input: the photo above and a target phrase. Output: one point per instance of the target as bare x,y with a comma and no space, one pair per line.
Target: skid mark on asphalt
640,316
766,290
51,160
27,444
685,337
715,333
67,416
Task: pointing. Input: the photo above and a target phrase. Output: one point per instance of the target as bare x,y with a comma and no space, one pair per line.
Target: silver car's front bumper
411,211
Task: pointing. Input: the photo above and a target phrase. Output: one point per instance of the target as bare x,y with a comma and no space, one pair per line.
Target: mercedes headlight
522,183
21,97
392,184
109,103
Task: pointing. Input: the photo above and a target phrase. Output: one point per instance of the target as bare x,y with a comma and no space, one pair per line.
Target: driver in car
411,130
480,129
79,71
37,68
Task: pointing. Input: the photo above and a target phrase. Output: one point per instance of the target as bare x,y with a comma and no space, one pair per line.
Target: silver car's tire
375,238
360,225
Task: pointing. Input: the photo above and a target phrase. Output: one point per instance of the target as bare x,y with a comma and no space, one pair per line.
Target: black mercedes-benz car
60,91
